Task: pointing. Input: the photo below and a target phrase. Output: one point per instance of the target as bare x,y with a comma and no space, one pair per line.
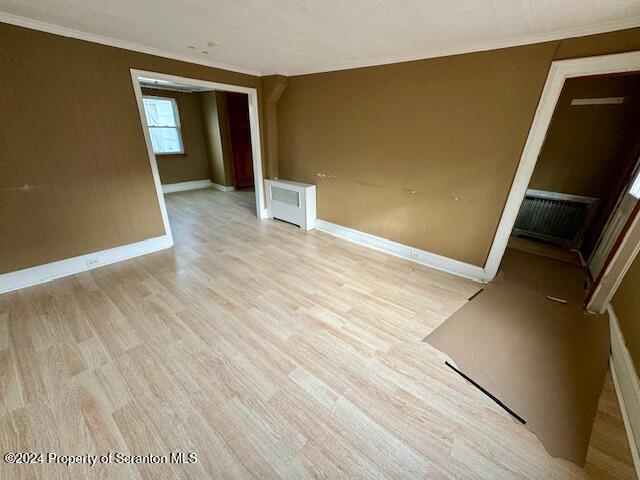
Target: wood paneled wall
74,171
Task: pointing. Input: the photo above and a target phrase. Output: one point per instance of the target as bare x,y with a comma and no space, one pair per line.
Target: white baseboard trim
62,268
222,188
625,379
412,254
184,186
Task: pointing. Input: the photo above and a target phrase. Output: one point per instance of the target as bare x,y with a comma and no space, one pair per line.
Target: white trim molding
113,42
70,266
617,268
184,186
407,252
418,54
430,52
254,126
560,71
43,273
625,379
222,188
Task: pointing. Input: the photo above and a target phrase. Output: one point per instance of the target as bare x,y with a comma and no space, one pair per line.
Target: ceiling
304,36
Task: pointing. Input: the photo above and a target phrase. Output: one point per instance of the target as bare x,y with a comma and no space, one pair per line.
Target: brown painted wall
70,130
591,150
626,304
216,126
423,152
194,163
272,88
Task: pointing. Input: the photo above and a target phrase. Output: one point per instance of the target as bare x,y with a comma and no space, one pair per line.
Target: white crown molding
351,64
470,48
407,252
112,42
184,186
70,266
625,379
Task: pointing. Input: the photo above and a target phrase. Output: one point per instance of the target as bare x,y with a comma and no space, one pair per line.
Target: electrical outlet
92,262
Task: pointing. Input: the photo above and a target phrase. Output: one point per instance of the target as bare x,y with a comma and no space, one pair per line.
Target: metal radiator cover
555,217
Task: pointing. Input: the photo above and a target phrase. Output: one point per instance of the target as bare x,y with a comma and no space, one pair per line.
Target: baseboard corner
222,188
185,186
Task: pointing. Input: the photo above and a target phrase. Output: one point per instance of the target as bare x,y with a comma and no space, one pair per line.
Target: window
164,125
635,187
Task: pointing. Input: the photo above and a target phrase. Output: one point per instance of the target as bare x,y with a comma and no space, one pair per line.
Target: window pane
160,112
635,187
165,140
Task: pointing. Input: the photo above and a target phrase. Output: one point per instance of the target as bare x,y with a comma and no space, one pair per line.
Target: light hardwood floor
269,352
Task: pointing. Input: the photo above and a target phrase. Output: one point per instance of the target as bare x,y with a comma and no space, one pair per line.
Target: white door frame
560,71
254,123
616,269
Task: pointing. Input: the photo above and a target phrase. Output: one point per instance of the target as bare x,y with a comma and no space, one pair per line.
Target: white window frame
254,125
178,126
635,186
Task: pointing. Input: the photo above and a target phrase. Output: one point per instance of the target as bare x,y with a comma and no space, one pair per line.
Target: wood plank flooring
267,351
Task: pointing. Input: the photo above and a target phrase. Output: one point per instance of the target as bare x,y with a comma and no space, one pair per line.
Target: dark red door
240,135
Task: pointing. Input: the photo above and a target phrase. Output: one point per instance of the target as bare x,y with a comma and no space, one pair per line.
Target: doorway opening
200,134
239,140
584,170
623,250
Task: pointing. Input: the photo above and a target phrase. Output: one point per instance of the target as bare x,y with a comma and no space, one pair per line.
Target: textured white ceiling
303,36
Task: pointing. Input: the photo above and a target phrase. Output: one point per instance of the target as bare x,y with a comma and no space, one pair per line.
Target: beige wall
422,152
591,150
216,127
626,304
194,163
70,130
272,88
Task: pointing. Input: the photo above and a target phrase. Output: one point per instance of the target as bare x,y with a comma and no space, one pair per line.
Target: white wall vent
292,202
598,101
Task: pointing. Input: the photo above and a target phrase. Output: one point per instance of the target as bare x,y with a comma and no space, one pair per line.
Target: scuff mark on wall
24,188
466,201
458,133
409,189
366,184
325,176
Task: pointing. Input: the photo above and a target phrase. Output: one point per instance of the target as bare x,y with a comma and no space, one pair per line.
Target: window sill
177,154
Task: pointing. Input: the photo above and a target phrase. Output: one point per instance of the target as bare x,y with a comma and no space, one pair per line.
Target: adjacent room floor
267,351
